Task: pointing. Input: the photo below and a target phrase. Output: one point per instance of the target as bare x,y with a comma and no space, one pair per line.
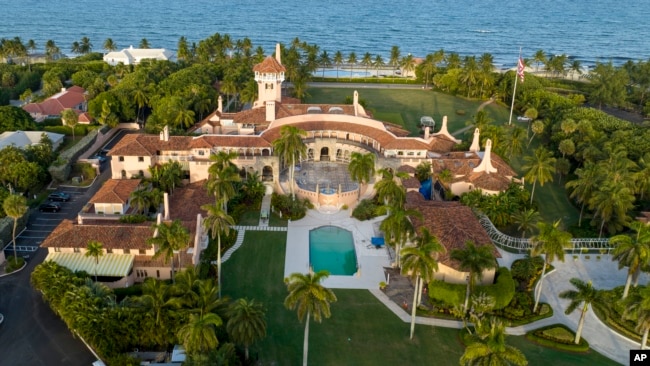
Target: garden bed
559,337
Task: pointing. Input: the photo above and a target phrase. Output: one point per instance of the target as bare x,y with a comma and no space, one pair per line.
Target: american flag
520,69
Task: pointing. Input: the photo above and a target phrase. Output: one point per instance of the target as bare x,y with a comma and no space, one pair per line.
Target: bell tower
269,75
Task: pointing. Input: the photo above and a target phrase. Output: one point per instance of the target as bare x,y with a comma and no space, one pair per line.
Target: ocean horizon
600,31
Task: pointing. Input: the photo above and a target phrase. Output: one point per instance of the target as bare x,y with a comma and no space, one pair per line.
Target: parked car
50,207
59,197
101,159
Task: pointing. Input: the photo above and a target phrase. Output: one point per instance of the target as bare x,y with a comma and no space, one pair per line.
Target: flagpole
514,89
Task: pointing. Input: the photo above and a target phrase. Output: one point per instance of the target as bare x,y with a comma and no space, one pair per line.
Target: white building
133,56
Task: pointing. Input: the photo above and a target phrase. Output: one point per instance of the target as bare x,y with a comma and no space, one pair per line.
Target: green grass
405,107
361,331
249,218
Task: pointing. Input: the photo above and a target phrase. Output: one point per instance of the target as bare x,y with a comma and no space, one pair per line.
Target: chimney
164,134
220,105
62,90
475,143
166,203
355,102
426,133
443,128
158,222
486,164
270,110
278,54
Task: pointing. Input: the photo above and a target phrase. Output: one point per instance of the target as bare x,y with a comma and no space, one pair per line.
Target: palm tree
632,251
222,177
109,45
51,49
539,167
526,219
144,43
338,61
550,241
421,261
490,348
85,46
584,185
584,294
378,63
394,58
637,308
76,47
407,63
361,168
199,335
246,323
539,58
70,119
398,227
389,190
475,260
291,149
352,61
95,249
217,222
325,61
309,297
15,206
140,200
367,61
170,238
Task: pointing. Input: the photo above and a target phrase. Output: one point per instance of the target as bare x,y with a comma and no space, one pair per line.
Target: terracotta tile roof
112,235
186,202
115,191
229,141
489,182
411,182
55,104
441,144
269,65
407,143
452,223
383,137
148,145
406,169
148,261
458,163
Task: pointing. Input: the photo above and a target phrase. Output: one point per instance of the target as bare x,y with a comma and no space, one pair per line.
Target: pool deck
371,261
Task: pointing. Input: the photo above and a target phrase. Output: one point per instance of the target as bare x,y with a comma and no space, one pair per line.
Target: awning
110,265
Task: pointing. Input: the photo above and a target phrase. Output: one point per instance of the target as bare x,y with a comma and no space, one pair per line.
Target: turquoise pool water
332,248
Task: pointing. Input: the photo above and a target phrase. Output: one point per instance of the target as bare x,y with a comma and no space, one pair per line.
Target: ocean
589,31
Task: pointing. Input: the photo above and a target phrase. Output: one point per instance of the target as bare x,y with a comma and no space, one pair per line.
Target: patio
370,260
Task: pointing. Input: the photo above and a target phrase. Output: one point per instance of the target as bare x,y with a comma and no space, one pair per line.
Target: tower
269,75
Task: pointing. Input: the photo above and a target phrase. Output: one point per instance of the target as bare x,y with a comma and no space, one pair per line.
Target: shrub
449,293
13,264
526,272
503,289
290,208
558,336
365,210
205,268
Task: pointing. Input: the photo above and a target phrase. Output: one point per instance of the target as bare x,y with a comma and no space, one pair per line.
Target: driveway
31,333
604,274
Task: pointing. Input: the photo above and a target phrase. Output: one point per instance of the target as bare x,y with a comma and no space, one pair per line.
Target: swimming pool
332,248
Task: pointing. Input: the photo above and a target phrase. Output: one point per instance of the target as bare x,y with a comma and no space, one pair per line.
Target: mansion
332,134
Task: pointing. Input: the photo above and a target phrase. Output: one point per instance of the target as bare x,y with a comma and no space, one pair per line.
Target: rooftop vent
335,110
314,110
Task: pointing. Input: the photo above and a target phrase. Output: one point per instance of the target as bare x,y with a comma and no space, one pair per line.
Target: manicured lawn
361,330
405,107
552,198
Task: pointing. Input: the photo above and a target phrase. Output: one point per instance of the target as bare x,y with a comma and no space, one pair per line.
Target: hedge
7,227
60,169
502,291
538,336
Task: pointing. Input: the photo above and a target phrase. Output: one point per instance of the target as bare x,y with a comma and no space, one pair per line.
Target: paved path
604,274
